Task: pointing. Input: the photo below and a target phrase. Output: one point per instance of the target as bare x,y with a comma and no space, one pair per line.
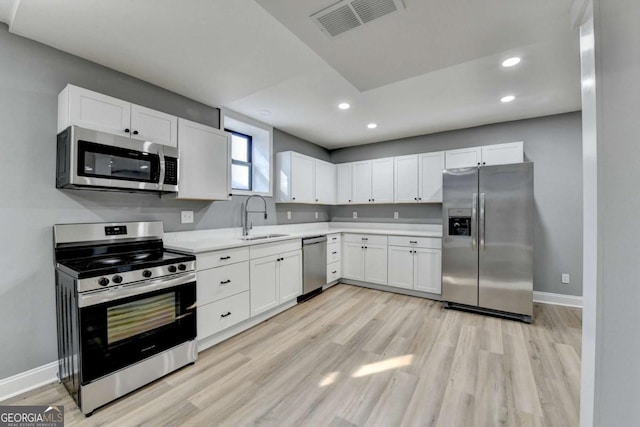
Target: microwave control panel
171,171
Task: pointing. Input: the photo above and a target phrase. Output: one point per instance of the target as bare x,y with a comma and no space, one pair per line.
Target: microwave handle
163,168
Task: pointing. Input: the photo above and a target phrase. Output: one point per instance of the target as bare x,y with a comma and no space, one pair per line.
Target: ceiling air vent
349,14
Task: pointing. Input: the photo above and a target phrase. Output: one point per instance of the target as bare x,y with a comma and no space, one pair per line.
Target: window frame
249,163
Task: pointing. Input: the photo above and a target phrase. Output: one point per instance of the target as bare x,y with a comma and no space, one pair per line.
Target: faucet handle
251,226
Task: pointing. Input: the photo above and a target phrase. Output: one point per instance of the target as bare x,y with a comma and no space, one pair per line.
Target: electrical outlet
288,214
186,217
355,215
316,215
566,279
396,215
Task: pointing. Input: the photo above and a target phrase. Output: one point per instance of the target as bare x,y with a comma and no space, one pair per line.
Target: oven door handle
106,295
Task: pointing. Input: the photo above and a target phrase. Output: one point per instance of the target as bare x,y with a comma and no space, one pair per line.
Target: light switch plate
316,215
566,279
355,215
396,215
288,214
186,217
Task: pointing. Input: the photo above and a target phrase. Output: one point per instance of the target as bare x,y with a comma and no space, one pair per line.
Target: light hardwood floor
359,357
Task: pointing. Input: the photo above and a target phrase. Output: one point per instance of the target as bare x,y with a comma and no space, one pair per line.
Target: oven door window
103,161
119,333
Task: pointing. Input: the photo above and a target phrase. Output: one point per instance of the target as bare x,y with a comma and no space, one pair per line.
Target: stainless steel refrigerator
487,246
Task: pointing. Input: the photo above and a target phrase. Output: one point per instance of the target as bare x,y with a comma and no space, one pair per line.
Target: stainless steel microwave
87,159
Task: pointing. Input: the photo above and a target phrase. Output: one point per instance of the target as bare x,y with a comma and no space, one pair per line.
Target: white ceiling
433,67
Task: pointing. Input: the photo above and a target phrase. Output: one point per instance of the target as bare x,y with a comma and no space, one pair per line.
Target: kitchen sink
264,236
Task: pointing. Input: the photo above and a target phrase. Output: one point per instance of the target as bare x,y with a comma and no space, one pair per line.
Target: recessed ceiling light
264,112
508,98
344,106
510,62
372,125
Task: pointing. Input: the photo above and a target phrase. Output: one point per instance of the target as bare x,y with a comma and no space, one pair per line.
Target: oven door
119,327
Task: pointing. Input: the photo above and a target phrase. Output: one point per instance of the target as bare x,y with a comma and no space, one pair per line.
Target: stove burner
104,262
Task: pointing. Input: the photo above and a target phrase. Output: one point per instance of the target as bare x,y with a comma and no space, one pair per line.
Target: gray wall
553,143
31,75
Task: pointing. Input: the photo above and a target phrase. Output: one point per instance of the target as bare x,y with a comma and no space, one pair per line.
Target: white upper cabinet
204,162
93,110
302,171
152,125
464,158
361,182
325,182
430,177
502,154
382,180
343,190
406,179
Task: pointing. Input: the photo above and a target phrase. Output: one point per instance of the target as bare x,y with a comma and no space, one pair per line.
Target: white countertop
212,240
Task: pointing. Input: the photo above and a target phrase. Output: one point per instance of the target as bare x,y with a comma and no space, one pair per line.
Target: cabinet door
361,182
401,267
99,112
154,126
375,264
406,179
353,261
343,172
428,270
430,180
302,172
290,276
325,183
503,154
205,163
264,284
382,180
463,158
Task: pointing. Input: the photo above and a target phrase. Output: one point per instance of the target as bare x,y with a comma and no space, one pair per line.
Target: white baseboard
26,381
557,299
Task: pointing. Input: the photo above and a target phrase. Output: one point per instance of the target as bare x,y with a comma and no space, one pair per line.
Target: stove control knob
182,267
146,273
172,269
117,278
103,281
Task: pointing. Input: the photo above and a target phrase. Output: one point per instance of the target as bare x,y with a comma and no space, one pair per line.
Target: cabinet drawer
421,242
222,257
333,252
220,315
366,238
333,238
217,283
333,272
268,249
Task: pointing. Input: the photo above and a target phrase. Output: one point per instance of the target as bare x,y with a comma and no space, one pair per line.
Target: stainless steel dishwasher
314,266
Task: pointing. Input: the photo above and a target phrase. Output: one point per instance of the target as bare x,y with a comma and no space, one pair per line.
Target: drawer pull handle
333,253
334,238
228,313
413,241
365,238
224,282
224,258
334,272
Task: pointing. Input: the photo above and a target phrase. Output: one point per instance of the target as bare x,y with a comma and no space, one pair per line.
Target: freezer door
505,241
459,238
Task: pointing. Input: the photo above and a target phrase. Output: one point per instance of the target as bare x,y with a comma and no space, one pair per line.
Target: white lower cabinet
413,267
353,261
275,279
219,315
428,270
375,264
364,258
334,272
401,267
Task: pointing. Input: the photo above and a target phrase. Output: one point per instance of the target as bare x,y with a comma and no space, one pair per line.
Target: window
241,168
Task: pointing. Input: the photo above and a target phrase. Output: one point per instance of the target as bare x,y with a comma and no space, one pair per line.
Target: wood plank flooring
359,357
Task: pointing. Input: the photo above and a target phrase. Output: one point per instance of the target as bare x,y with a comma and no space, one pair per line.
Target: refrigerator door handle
474,221
482,221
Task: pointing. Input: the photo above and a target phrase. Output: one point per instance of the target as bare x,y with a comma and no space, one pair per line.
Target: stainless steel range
126,309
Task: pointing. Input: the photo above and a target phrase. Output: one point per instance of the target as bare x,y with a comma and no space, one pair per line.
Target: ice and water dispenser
459,222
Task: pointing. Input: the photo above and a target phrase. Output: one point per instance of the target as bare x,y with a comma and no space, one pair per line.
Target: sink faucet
245,216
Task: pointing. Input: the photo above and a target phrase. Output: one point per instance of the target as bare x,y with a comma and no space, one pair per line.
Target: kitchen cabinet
303,179
275,279
372,181
415,263
406,179
204,162
430,167
361,182
222,314
487,155
325,182
364,258
93,110
344,187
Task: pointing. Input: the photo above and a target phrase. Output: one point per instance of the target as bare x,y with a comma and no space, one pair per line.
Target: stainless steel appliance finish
88,159
487,257
126,309
314,264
